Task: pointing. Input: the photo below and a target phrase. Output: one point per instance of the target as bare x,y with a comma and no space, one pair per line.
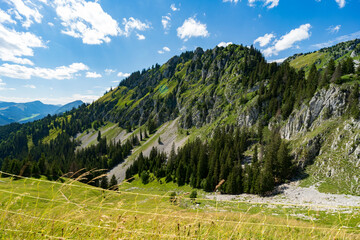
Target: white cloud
28,10
109,71
174,8
164,49
3,86
281,60
133,24
341,3
287,41
264,40
165,21
50,24
335,29
140,36
123,75
271,3
14,45
232,1
86,20
6,18
224,44
183,48
337,40
192,28
23,72
268,3
30,86
93,75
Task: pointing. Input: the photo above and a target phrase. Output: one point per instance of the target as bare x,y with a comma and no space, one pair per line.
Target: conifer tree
113,183
104,182
336,77
284,160
312,81
99,136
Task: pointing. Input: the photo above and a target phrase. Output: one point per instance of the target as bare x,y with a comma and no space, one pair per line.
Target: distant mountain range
26,112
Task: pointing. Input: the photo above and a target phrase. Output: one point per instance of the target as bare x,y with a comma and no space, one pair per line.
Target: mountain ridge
206,90
30,111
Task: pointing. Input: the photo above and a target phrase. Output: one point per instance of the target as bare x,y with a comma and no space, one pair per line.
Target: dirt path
293,194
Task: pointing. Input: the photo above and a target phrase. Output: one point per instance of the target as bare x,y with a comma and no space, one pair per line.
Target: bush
172,197
144,177
193,195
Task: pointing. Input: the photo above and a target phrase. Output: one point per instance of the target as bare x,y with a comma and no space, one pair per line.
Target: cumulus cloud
264,40
24,72
6,18
288,40
93,75
341,3
140,36
232,1
281,60
50,24
192,28
268,3
164,49
224,44
109,71
26,11
15,44
335,29
123,75
30,86
174,8
133,24
165,21
86,20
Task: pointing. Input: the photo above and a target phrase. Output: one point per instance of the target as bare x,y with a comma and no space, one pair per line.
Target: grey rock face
325,102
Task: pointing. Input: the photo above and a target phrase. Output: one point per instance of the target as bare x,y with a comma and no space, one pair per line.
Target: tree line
205,164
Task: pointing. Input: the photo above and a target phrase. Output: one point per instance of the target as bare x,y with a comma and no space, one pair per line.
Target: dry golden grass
40,209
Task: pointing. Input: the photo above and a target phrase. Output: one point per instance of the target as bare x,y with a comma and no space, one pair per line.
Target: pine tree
113,183
202,168
99,136
284,160
312,81
42,164
336,77
104,182
36,170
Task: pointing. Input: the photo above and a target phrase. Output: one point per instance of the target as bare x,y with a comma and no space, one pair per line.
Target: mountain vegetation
251,123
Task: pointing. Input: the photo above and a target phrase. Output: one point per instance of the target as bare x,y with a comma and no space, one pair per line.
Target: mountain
69,106
30,111
322,57
230,112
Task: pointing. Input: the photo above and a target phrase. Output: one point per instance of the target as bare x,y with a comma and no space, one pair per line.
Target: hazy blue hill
69,106
30,111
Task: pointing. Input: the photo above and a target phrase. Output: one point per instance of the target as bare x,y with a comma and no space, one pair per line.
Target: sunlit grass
40,209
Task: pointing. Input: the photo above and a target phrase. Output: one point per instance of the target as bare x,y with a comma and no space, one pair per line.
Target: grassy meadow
41,209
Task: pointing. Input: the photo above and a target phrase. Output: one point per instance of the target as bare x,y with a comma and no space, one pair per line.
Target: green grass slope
39,209
322,56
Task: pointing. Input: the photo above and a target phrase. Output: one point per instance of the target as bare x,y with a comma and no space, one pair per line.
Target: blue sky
58,51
